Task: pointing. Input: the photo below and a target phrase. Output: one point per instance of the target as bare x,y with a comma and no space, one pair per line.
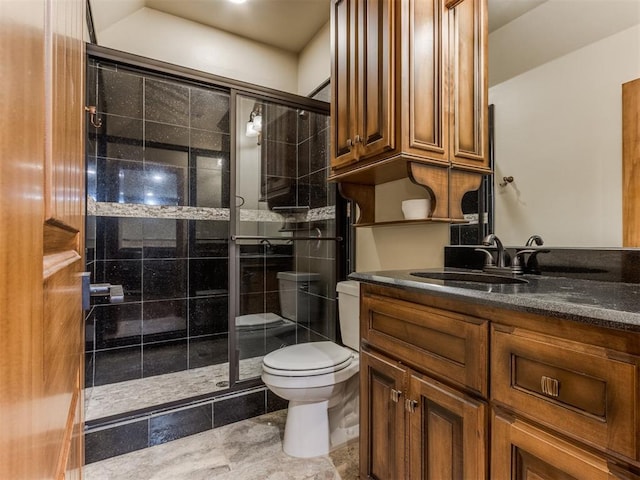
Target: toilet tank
349,312
299,300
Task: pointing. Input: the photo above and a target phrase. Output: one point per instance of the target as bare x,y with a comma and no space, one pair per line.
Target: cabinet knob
550,386
411,405
395,395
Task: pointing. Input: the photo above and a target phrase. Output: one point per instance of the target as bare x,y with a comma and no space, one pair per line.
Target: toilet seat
307,359
257,320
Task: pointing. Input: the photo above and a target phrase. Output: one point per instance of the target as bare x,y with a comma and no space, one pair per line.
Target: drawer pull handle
395,395
550,386
411,405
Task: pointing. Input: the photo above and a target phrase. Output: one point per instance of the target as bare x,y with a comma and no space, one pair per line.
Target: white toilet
321,383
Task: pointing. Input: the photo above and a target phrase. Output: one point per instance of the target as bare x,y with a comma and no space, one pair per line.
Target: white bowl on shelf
416,209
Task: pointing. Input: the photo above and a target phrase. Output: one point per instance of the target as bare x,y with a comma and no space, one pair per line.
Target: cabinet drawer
443,343
577,389
521,451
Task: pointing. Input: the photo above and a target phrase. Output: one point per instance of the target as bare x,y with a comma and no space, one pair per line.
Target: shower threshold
117,398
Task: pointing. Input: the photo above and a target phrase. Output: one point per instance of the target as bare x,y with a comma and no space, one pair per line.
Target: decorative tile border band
136,210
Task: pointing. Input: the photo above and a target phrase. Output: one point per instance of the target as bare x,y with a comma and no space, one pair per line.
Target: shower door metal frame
234,88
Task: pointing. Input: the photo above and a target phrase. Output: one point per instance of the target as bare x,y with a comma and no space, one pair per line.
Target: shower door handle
115,293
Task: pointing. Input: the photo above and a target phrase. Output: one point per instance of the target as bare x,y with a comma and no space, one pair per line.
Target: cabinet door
375,131
424,61
467,24
448,430
520,451
382,429
343,82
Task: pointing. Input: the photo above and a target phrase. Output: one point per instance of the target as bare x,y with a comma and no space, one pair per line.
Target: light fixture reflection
254,125
251,131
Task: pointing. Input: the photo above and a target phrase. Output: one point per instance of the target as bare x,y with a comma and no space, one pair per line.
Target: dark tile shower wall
317,256
161,143
295,157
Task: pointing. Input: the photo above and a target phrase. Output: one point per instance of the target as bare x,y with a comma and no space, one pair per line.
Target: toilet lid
314,358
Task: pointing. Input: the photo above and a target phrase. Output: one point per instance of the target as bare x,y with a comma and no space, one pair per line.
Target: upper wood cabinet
362,112
409,84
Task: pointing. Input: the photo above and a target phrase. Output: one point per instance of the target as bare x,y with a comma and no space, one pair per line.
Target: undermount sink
476,277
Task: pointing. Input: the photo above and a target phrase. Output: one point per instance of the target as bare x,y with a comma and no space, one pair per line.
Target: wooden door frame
631,164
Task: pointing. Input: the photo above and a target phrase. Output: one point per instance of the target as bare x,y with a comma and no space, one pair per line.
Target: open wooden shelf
410,222
445,187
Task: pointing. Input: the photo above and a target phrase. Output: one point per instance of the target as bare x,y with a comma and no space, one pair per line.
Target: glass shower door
285,278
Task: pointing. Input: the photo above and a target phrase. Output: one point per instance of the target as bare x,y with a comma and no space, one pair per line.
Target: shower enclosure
201,220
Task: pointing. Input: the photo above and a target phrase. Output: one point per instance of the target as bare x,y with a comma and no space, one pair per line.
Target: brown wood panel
382,430
343,83
375,130
451,346
64,114
425,55
581,409
21,213
448,432
365,198
41,117
631,164
467,20
461,182
520,451
436,181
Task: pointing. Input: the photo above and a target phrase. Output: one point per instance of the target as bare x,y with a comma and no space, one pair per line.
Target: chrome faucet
534,240
532,262
503,256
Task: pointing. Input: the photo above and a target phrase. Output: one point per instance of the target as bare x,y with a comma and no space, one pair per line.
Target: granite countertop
606,304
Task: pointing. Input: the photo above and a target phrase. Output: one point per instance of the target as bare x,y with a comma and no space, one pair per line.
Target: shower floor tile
121,397
246,450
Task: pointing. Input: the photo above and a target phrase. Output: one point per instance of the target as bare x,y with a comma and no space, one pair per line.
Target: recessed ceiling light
237,1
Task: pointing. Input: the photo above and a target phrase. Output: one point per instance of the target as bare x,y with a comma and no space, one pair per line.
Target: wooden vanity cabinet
409,84
563,402
417,427
413,426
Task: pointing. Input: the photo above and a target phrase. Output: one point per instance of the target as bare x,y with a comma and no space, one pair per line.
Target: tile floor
246,450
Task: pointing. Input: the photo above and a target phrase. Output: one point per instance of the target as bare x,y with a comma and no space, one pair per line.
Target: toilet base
306,433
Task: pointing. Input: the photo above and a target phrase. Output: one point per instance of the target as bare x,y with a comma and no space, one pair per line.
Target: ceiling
286,24
502,12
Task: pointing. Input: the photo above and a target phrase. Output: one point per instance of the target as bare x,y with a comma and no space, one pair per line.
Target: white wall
314,62
164,37
399,247
558,133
